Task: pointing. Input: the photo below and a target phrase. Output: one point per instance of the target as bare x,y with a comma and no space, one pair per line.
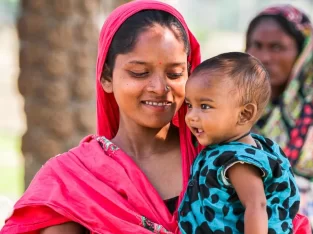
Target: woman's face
149,82
275,49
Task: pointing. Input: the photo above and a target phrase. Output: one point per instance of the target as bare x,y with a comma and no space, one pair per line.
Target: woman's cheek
179,86
179,97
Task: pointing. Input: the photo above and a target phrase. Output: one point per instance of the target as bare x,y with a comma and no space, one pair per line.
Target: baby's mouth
198,130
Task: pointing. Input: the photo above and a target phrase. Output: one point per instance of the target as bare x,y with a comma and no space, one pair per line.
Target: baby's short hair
249,75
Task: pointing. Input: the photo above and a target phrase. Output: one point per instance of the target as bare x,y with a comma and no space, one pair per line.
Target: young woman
131,176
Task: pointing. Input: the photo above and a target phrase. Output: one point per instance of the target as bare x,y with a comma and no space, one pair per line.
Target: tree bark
58,51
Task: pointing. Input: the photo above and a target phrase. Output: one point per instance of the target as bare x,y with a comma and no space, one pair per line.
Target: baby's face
213,107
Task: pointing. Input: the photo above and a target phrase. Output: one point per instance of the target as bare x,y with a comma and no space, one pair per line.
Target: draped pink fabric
101,189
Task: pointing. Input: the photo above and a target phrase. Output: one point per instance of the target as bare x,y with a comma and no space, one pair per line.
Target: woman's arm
68,228
247,181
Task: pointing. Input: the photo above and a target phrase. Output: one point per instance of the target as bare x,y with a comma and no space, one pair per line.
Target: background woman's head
275,37
146,67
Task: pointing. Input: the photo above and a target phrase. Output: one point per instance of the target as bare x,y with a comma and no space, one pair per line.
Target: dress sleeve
246,156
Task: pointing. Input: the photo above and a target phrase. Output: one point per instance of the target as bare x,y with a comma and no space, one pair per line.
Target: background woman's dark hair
126,36
286,26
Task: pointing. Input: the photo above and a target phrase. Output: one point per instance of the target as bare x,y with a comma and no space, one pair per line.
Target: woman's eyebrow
177,64
137,62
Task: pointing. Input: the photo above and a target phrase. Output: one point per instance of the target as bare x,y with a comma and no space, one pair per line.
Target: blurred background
54,42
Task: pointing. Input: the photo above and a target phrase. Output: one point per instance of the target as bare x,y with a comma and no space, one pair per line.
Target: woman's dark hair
126,36
286,26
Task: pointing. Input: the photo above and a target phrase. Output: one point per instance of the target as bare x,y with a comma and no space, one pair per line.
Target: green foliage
11,166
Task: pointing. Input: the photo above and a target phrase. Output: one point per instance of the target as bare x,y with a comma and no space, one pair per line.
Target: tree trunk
116,3
58,51
110,5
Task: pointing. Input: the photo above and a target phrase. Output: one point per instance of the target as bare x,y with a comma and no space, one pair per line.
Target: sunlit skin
140,77
214,109
276,50
149,87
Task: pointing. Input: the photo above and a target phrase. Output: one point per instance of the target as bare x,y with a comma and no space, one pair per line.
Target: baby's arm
247,181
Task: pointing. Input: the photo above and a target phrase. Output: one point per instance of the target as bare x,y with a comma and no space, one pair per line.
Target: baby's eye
205,106
189,106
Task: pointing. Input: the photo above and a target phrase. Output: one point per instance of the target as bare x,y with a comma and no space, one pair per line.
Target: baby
240,182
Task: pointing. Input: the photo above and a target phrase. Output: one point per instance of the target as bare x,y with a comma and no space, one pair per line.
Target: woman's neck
277,91
141,142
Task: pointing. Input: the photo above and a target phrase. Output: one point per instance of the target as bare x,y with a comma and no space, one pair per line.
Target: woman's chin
156,123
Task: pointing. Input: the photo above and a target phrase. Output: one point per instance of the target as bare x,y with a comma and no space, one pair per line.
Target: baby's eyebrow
206,99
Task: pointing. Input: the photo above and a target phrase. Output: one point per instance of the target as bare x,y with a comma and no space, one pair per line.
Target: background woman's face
275,49
149,82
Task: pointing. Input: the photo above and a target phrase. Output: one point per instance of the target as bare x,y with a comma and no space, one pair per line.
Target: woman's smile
158,106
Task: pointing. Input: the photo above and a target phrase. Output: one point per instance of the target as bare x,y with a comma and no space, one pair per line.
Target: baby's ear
106,80
247,114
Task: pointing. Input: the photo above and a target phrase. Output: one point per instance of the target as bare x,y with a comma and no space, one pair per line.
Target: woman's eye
277,48
205,106
138,74
174,75
256,45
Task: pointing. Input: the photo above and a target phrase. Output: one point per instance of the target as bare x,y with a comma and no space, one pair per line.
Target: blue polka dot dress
211,205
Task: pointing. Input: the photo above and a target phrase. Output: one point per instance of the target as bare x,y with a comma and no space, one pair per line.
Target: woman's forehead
270,30
268,23
157,43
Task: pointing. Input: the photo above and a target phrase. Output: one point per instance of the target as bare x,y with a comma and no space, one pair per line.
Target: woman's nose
158,85
264,56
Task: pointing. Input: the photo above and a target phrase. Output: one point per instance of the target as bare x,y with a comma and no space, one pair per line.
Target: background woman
281,37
